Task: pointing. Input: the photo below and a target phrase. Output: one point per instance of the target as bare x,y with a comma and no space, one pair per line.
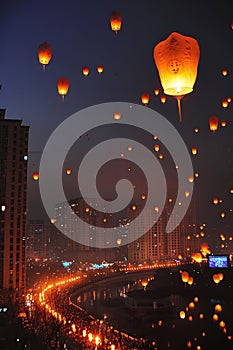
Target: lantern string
178,98
179,109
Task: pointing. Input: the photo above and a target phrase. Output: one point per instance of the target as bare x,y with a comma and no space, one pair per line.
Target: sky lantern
117,115
184,276
215,200
194,151
63,86
156,148
177,60
145,97
224,72
100,69
182,314
156,91
223,123
35,176
225,103
44,54
116,21
68,171
216,279
163,99
85,71
213,123
218,308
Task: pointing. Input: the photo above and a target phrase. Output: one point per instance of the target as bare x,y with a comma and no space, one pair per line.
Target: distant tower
13,207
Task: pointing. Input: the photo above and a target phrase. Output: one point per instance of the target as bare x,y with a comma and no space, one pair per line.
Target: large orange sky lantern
176,59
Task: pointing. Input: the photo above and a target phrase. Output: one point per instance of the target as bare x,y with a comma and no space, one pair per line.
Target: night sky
80,35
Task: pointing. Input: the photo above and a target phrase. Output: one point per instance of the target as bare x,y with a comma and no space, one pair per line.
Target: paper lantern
35,176
44,54
177,60
100,69
63,86
116,21
145,98
213,123
85,71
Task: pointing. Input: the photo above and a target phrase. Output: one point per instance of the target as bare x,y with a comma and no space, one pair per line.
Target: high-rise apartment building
13,210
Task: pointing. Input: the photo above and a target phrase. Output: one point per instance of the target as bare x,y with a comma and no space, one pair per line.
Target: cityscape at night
116,175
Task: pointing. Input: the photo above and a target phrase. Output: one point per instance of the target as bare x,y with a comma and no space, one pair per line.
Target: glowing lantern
156,148
194,150
177,60
156,92
117,115
145,98
224,72
229,99
213,123
220,275
197,257
100,69
35,176
161,156
184,276
216,278
224,104
163,99
63,87
182,314
218,308
85,71
134,207
191,305
222,324
116,21
223,123
215,201
215,317
68,171
44,54
144,283
190,280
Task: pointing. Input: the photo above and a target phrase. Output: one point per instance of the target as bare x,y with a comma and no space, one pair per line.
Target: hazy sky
80,35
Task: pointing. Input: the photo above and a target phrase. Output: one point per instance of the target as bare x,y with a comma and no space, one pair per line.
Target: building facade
13,210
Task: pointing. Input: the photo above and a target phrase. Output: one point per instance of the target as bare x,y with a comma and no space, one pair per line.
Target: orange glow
194,150
218,308
156,148
117,115
223,123
116,21
85,71
224,72
224,104
100,69
35,176
163,99
145,98
62,86
68,171
213,123
156,92
44,54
